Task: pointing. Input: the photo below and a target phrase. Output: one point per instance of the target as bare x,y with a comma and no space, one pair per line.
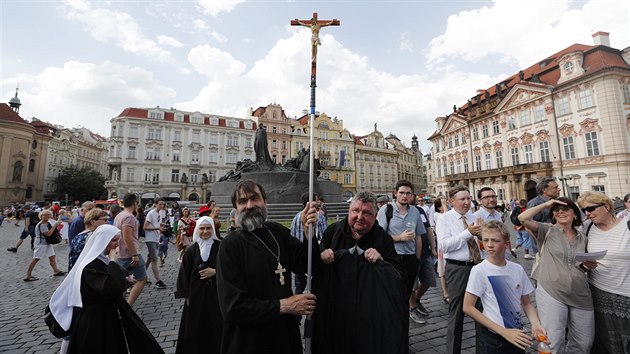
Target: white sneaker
529,256
416,317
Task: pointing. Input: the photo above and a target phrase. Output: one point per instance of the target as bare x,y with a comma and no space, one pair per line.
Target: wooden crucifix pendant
280,271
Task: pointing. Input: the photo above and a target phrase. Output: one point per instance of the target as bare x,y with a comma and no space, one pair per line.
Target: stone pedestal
280,186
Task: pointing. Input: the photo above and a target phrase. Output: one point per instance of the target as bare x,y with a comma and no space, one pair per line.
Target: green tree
80,183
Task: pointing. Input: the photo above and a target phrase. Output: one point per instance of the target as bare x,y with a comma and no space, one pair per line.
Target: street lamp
564,180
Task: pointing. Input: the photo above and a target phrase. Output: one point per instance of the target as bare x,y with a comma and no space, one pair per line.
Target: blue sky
398,63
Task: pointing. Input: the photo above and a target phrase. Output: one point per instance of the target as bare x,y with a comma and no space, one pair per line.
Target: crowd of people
244,290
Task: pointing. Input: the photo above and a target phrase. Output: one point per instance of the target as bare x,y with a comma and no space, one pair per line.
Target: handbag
54,238
54,326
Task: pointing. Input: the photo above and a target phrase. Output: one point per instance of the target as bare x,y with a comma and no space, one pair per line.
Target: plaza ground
22,328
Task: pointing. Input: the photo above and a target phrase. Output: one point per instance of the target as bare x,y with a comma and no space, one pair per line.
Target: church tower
15,102
414,143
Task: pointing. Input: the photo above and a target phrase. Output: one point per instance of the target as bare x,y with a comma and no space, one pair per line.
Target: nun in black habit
201,325
105,322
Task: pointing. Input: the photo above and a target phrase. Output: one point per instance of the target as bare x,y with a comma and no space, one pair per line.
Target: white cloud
347,87
215,7
405,44
167,40
200,25
215,64
525,32
115,27
219,37
87,94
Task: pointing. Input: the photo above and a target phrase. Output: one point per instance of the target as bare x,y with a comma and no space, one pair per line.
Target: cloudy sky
396,63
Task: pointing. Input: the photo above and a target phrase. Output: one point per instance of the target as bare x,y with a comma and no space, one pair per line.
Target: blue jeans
492,343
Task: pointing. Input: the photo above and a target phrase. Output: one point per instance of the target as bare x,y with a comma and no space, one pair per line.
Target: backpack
389,213
55,237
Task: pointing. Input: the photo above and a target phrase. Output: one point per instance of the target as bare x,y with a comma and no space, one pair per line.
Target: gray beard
252,219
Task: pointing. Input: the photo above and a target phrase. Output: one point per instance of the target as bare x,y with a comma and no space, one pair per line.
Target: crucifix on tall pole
315,25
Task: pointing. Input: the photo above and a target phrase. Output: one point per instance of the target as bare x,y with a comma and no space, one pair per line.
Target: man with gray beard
260,312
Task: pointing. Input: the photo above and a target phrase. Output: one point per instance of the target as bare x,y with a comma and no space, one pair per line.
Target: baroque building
409,163
23,148
334,147
76,147
278,127
567,115
178,155
376,163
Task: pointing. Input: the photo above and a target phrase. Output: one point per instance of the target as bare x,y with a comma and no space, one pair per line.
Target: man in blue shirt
297,231
77,225
406,229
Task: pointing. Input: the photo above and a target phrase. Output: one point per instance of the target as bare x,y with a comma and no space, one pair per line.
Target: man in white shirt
152,231
457,236
488,199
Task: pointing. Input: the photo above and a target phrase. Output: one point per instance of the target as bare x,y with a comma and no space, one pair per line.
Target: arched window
31,165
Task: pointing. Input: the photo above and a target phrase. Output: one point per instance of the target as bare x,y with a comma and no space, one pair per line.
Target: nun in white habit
105,322
201,325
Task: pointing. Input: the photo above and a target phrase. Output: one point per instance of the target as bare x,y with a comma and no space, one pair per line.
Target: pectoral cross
280,271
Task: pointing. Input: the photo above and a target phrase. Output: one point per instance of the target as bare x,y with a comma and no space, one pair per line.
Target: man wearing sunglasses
547,189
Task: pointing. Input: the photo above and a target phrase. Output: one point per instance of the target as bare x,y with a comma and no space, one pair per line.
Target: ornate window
529,153
586,98
499,157
515,156
562,106
592,144
569,147
539,113
544,151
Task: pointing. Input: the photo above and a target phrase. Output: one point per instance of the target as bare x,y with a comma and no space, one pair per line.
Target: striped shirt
612,273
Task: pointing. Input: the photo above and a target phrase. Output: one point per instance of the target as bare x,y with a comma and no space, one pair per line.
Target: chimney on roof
304,112
601,38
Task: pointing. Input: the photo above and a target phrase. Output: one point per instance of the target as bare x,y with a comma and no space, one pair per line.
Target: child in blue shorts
163,249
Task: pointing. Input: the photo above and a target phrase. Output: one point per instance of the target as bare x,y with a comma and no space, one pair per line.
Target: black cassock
106,323
361,307
249,290
201,325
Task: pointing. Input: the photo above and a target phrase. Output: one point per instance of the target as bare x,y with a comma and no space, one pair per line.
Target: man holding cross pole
260,312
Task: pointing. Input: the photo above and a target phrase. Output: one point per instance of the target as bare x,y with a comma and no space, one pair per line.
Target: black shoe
12,249
160,284
421,310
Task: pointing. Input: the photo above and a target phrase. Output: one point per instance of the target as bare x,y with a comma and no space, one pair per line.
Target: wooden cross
315,25
280,271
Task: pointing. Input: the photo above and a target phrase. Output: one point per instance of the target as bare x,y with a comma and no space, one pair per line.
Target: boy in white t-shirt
504,289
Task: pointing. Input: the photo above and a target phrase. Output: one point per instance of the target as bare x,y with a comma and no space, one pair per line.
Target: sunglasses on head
591,208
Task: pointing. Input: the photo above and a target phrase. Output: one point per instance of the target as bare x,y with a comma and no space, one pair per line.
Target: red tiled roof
6,113
357,139
170,117
133,112
596,58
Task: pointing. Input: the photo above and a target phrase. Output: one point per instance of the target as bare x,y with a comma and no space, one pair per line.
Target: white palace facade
566,116
157,152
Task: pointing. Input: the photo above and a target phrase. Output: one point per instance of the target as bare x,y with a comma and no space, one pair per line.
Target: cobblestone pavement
22,328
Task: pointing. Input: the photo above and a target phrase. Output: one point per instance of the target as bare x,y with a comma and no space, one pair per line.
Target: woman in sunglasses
563,296
201,325
610,282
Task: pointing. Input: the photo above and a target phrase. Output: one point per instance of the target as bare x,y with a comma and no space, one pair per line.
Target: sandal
59,273
31,279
